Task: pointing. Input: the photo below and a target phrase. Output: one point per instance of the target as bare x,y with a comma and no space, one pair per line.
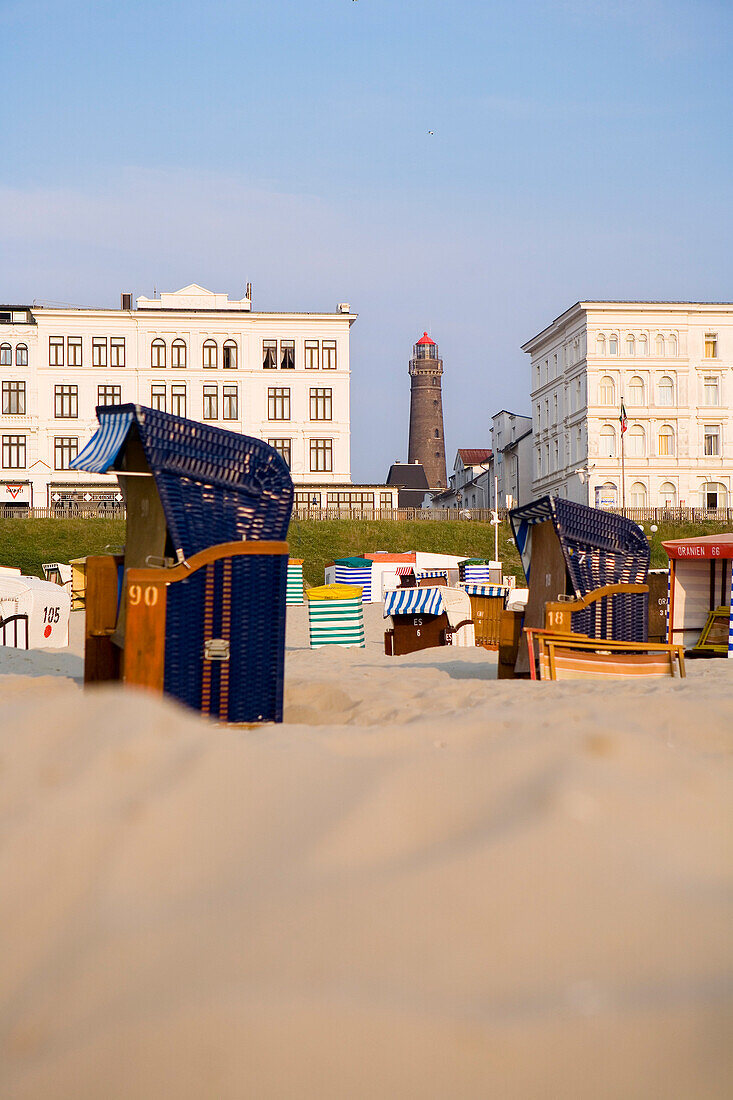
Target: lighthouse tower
427,444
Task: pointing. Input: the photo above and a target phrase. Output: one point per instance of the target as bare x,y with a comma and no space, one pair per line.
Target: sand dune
426,883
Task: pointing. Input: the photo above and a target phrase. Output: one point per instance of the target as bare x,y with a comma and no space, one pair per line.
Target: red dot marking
47,632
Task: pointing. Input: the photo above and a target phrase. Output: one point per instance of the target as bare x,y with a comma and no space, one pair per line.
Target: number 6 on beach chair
195,607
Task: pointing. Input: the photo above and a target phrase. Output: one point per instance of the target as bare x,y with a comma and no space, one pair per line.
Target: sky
466,167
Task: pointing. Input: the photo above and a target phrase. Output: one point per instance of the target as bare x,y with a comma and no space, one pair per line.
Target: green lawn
26,543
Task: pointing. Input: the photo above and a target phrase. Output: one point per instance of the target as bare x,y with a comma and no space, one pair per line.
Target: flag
622,419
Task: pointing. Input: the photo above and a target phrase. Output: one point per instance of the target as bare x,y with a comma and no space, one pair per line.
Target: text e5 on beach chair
195,604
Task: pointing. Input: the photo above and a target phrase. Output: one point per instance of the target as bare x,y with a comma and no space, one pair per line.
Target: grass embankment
27,543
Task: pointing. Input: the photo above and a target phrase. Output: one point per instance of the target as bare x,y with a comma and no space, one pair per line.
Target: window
56,351
66,402
211,402
321,452
606,391
283,448
311,355
608,442
613,344
14,452
557,456
13,398
638,495
666,441
711,391
157,397
117,351
210,355
73,351
668,495
578,393
287,354
714,495
601,344
711,345
320,404
178,353
6,355
229,356
359,501
630,345
643,348
665,391
660,346
636,442
672,345
385,501
64,449
21,356
328,355
711,440
269,354
178,400
579,443
109,395
554,408
278,403
308,499
636,390
99,351
230,403
157,354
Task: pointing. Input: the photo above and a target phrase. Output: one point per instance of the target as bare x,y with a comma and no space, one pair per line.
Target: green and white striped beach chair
294,592
335,615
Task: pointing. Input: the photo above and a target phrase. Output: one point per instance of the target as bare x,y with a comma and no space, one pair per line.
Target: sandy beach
426,883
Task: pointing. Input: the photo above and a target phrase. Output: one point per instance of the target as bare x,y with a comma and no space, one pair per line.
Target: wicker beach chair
196,606
569,552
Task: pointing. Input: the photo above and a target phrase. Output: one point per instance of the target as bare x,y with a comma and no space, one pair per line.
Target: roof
407,475
474,456
702,546
382,556
425,339
590,303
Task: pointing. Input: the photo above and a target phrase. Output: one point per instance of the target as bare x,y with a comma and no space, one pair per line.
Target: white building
511,443
282,377
672,366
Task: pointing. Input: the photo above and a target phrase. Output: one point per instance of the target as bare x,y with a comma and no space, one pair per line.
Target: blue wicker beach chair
570,551
200,613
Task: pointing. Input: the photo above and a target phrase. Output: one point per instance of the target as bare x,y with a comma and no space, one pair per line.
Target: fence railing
345,511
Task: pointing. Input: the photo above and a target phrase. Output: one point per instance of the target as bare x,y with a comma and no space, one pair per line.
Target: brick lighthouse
427,444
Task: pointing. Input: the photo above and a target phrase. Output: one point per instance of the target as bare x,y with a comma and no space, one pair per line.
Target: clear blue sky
580,149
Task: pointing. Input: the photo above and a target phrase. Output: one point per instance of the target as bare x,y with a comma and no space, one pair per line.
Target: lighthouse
427,445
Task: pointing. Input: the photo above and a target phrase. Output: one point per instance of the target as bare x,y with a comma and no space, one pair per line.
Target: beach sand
425,884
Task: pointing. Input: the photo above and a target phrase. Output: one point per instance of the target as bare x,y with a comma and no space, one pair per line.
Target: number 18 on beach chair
195,605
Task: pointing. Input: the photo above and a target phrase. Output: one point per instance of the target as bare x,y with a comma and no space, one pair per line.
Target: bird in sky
431,132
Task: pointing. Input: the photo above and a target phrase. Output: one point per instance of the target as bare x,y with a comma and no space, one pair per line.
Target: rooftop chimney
248,293
125,300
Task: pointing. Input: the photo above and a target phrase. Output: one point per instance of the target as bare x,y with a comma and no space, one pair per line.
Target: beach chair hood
598,547
215,486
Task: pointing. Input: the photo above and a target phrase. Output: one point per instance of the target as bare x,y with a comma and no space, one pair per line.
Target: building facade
469,482
282,377
426,441
671,365
512,460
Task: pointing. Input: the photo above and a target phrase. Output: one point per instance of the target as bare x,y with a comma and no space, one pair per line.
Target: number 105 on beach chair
195,605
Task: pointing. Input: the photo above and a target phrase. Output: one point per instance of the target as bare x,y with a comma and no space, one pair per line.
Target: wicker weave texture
215,486
250,688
